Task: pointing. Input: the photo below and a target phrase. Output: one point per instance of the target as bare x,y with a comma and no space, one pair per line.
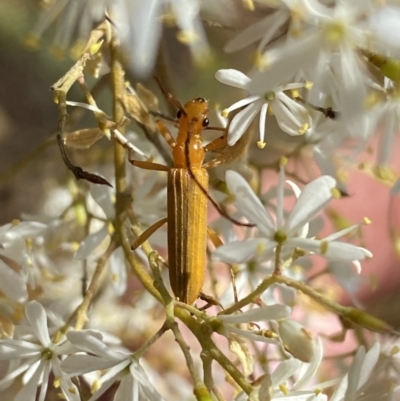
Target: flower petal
265,313
28,391
90,243
138,373
312,200
70,391
287,58
76,365
118,271
354,374
241,103
36,316
90,341
297,192
102,194
290,120
12,284
342,233
248,203
26,229
9,378
284,370
262,121
370,360
348,277
311,369
127,389
233,78
44,380
333,250
241,251
252,336
251,34
8,352
242,121
383,22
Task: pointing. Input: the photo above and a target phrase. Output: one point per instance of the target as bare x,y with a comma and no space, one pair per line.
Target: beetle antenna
170,97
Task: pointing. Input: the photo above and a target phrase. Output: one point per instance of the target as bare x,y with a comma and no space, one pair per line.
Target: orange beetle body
187,205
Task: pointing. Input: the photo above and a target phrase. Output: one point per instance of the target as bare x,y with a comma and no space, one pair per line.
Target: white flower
236,335
263,314
292,117
16,263
37,357
372,375
360,376
139,25
134,383
384,115
291,233
382,24
12,284
289,380
247,278
249,275
325,138
389,363
102,195
76,19
264,30
323,51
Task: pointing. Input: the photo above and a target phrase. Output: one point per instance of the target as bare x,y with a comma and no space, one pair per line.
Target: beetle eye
206,122
200,100
179,114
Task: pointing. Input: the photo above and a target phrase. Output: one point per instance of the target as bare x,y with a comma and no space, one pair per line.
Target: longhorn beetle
187,196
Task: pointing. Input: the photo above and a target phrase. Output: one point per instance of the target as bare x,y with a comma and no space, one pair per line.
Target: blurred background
27,115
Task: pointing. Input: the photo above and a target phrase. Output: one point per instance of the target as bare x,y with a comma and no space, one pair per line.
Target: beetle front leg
227,154
166,134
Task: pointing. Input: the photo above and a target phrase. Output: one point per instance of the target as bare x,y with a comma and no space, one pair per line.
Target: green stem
252,297
122,204
203,334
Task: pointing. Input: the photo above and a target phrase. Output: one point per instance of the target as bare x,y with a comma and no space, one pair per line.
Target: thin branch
348,313
203,333
139,352
61,88
208,376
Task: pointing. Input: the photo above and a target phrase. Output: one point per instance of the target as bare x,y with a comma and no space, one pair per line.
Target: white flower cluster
323,82
138,24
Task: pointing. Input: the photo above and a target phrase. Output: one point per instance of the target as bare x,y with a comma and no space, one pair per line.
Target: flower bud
297,340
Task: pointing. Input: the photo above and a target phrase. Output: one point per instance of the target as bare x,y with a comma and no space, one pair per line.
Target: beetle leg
227,154
213,236
145,235
218,161
149,165
216,144
164,131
